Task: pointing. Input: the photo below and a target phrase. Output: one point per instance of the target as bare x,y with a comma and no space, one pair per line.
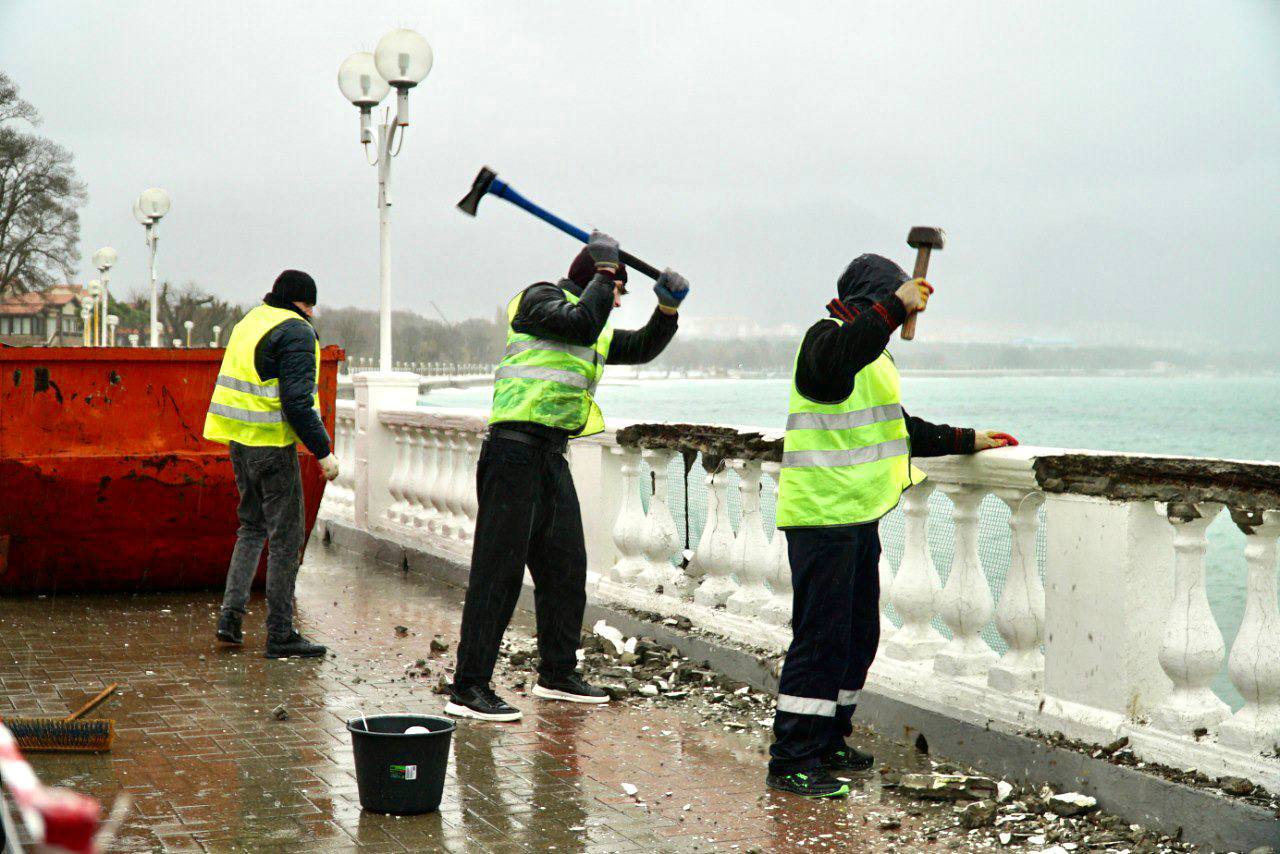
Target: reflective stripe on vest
549,382
846,463
245,408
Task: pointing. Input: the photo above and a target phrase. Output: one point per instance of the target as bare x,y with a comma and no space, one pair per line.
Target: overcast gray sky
1105,170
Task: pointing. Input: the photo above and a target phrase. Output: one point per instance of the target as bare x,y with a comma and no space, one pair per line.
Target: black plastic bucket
400,773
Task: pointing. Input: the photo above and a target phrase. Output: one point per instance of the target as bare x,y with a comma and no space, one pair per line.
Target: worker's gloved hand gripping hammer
924,239
488,182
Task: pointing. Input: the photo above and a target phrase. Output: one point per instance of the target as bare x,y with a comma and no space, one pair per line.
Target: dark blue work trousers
835,624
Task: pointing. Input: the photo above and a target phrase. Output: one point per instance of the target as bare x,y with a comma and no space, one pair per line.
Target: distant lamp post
188,325
86,312
94,290
112,322
402,59
133,339
177,343
217,334
104,259
149,209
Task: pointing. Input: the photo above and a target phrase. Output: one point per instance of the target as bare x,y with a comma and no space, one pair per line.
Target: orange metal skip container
105,480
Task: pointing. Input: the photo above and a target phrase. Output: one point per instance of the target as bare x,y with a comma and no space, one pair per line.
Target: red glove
1006,441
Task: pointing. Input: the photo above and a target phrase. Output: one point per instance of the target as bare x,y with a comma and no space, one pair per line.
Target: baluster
414,485
450,494
335,493
427,480
1192,650
750,546
1020,614
660,538
440,486
395,482
348,465
470,503
965,605
778,567
715,549
916,588
885,571
629,526
1255,656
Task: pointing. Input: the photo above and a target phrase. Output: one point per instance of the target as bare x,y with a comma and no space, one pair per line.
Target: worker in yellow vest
265,400
846,461
558,341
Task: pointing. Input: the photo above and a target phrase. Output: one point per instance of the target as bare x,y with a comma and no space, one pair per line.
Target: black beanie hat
584,267
293,286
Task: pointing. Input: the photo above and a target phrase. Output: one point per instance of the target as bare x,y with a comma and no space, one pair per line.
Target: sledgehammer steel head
924,239
471,201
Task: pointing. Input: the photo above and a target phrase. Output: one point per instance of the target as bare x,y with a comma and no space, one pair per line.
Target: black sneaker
847,759
572,688
293,646
229,630
808,784
481,703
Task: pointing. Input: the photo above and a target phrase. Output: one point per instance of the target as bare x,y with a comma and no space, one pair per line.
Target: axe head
471,201
921,235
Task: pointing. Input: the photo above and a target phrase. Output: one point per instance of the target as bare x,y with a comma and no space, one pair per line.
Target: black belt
558,446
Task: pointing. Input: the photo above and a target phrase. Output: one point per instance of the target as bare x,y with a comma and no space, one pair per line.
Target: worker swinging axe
487,182
924,239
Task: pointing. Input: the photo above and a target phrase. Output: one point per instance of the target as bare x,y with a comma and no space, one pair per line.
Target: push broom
69,733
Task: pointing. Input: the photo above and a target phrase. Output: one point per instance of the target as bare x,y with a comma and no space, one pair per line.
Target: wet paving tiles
209,768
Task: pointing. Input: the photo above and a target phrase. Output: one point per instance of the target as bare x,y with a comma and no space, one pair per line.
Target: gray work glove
671,288
603,248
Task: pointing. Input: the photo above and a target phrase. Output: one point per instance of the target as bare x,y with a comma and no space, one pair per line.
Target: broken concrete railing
1036,590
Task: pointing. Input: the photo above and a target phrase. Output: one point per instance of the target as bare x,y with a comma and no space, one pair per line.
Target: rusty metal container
105,480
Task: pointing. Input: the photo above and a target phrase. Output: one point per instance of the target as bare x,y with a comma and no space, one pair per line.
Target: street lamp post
112,321
402,59
217,334
86,312
188,325
104,259
94,290
133,339
149,209
177,343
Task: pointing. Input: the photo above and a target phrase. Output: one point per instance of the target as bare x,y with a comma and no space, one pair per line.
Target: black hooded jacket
288,352
545,312
833,353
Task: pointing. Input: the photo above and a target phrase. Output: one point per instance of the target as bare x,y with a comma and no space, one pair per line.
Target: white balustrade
1020,614
750,547
777,610
1255,656
714,555
660,538
885,577
916,588
1192,650
1118,639
965,605
629,526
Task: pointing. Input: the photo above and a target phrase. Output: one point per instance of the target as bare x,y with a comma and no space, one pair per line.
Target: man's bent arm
937,440
296,357
638,346
832,354
546,313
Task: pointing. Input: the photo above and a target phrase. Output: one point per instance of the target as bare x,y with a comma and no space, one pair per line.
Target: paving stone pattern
209,767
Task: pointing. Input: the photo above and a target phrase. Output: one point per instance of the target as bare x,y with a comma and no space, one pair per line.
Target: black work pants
835,630
528,515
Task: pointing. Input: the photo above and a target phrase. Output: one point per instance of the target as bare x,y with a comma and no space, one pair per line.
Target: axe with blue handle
488,183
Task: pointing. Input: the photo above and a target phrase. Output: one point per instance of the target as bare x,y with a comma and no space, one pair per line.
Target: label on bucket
404,772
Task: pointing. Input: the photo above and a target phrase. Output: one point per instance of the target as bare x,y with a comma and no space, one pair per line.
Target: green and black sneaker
817,783
847,759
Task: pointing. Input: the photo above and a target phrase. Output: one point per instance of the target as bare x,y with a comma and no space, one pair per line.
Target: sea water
1228,417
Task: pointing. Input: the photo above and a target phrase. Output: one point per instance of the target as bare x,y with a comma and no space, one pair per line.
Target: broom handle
89,706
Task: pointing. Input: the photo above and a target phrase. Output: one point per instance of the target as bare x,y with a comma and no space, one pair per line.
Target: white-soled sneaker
571,688
483,704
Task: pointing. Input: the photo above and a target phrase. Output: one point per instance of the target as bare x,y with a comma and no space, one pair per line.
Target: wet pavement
209,767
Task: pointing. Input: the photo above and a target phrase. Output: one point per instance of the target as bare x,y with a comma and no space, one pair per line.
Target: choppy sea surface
1230,417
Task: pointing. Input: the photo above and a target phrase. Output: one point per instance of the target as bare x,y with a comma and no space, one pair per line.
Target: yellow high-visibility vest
245,408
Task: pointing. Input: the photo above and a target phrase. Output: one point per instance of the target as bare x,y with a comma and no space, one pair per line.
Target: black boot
292,645
817,783
846,758
229,628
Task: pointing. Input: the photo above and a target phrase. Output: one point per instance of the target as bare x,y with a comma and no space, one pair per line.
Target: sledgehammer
924,239
487,181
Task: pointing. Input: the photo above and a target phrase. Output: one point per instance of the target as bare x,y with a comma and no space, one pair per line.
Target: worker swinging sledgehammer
846,461
558,342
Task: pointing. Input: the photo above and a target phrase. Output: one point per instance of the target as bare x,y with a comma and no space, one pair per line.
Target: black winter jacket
546,313
288,352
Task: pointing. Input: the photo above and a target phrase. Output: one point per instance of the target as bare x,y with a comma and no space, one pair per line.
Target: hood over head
867,280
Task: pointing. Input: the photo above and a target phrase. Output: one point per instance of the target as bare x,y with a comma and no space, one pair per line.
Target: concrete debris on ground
280,713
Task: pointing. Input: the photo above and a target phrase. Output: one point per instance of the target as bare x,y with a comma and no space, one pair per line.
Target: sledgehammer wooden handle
922,268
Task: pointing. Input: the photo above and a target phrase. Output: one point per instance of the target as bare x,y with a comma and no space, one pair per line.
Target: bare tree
40,198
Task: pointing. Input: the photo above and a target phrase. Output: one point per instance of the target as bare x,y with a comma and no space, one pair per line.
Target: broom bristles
58,734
